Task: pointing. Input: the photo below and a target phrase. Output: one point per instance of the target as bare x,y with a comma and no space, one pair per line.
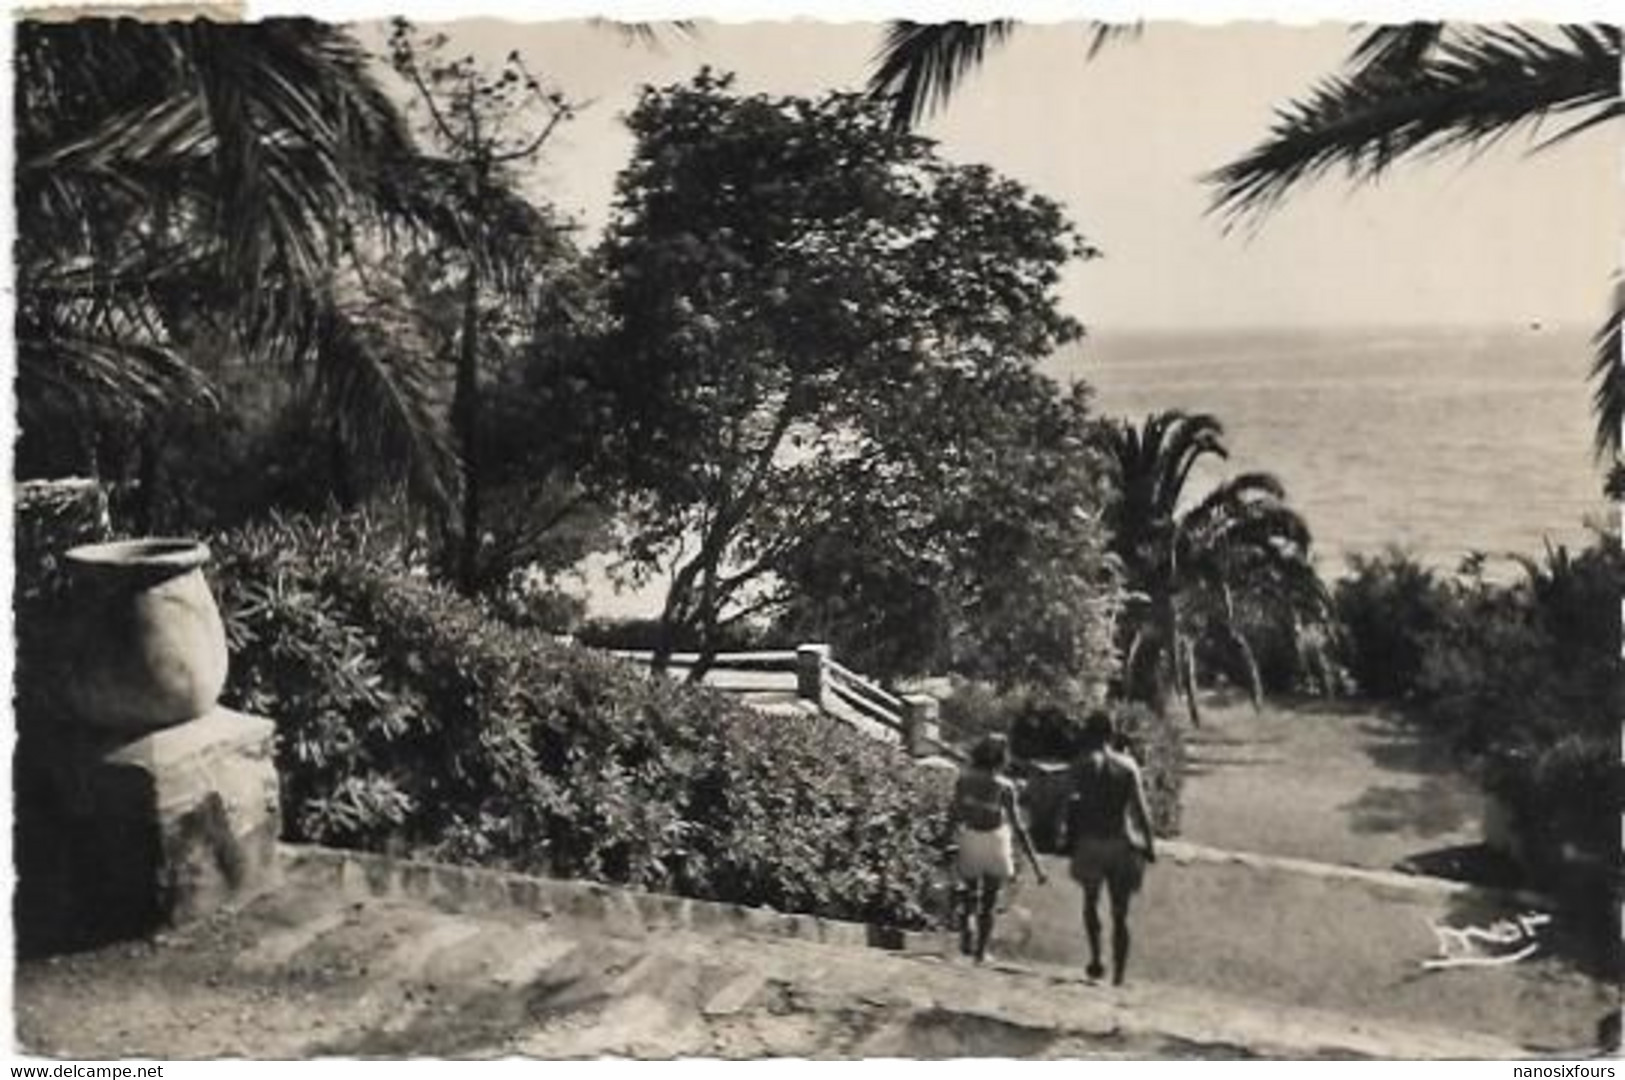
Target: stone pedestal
121,839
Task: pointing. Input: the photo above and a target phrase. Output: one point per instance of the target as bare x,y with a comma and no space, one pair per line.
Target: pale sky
1122,141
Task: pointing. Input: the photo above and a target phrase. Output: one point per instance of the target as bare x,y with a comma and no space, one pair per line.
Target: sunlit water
1440,441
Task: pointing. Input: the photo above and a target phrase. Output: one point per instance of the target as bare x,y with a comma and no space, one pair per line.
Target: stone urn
145,646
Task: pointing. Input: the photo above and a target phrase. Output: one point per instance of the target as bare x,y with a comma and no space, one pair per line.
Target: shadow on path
1331,781
1436,808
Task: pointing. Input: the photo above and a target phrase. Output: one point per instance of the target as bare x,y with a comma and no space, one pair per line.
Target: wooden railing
833,687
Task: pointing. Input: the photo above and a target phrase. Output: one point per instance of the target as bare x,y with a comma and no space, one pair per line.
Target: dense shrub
1158,744
1387,607
409,717
1043,737
537,603
973,709
644,634
1044,731
1521,679
302,658
1525,679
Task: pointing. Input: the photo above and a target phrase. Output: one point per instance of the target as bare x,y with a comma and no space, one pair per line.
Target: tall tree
1185,563
779,264
485,124
969,539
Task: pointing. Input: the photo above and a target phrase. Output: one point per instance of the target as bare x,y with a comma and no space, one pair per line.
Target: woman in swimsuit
985,814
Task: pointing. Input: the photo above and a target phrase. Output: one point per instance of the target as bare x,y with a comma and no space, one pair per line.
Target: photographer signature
1505,941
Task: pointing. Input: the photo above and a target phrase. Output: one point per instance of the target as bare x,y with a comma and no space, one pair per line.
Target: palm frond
1608,372
373,376
75,372
921,64
645,34
1399,47
1469,89
292,112
248,146
1189,437
1266,526
1233,496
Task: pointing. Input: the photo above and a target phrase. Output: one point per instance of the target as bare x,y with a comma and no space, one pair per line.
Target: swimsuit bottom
986,853
1110,859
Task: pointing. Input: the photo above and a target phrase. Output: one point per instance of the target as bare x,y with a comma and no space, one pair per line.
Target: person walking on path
986,818
1107,847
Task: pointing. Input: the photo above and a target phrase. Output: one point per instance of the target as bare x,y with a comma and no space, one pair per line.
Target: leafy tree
1185,564
970,541
783,271
537,512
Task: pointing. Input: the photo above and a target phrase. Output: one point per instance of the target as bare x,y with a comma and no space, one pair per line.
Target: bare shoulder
1124,760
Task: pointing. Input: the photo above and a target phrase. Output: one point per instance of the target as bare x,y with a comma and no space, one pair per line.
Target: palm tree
186,190
1187,566
920,65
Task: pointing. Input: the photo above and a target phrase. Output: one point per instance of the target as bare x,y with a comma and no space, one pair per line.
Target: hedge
411,720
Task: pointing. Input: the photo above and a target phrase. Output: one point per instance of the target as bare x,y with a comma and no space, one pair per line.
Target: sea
1442,442
1439,441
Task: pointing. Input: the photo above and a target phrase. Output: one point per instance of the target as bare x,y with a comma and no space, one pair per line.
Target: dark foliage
1522,679
809,312
1388,607
410,719
644,635
1043,734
